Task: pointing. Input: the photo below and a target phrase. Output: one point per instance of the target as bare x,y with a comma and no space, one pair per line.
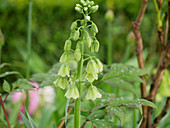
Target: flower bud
75,35
91,77
67,45
83,2
94,28
99,65
73,25
96,46
92,47
94,8
65,58
92,93
91,67
77,54
87,18
78,9
109,15
64,70
72,92
87,38
61,82
85,9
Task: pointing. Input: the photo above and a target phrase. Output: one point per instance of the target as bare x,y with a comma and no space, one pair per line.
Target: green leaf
89,124
18,126
31,121
119,83
118,112
10,73
26,121
103,124
96,115
21,84
85,107
6,86
71,122
3,65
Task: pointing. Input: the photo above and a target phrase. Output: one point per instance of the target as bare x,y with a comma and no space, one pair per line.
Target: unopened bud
96,46
87,18
67,45
94,28
109,15
78,9
94,8
65,58
75,35
73,25
77,54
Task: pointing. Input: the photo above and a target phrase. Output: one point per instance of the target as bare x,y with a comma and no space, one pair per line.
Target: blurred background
51,20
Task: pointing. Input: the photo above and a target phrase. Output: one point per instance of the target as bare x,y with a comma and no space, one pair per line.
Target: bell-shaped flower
61,82
64,70
92,67
93,93
65,58
99,65
72,92
91,77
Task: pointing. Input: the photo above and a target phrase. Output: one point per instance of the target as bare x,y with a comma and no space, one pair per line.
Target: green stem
109,45
28,49
29,40
78,101
0,53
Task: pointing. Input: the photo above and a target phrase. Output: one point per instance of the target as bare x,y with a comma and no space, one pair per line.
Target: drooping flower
91,77
93,93
72,92
64,70
61,82
99,65
65,58
91,67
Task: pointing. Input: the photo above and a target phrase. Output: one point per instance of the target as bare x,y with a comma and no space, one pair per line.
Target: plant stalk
77,110
109,45
28,49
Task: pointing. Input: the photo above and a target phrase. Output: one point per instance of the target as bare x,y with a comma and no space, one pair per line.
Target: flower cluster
83,32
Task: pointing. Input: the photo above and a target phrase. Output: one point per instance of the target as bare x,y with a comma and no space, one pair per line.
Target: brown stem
139,53
3,107
63,121
162,114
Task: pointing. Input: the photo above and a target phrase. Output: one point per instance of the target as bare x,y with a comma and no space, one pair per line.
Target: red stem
3,107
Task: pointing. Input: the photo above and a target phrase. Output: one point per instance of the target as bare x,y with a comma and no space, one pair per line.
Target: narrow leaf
26,121
31,121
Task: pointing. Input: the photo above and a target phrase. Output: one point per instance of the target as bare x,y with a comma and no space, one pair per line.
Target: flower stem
3,107
78,100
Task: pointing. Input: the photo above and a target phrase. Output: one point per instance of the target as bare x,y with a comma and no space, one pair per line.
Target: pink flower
34,99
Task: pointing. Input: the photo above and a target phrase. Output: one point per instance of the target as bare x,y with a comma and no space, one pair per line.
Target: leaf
96,115
6,86
118,112
103,123
10,73
85,107
39,77
31,121
4,64
89,124
54,126
26,121
18,126
132,103
119,83
21,84
71,122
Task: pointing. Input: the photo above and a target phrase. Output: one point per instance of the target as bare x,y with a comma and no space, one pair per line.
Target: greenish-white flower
99,65
91,77
77,54
72,92
92,67
67,45
93,93
61,82
64,70
65,58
